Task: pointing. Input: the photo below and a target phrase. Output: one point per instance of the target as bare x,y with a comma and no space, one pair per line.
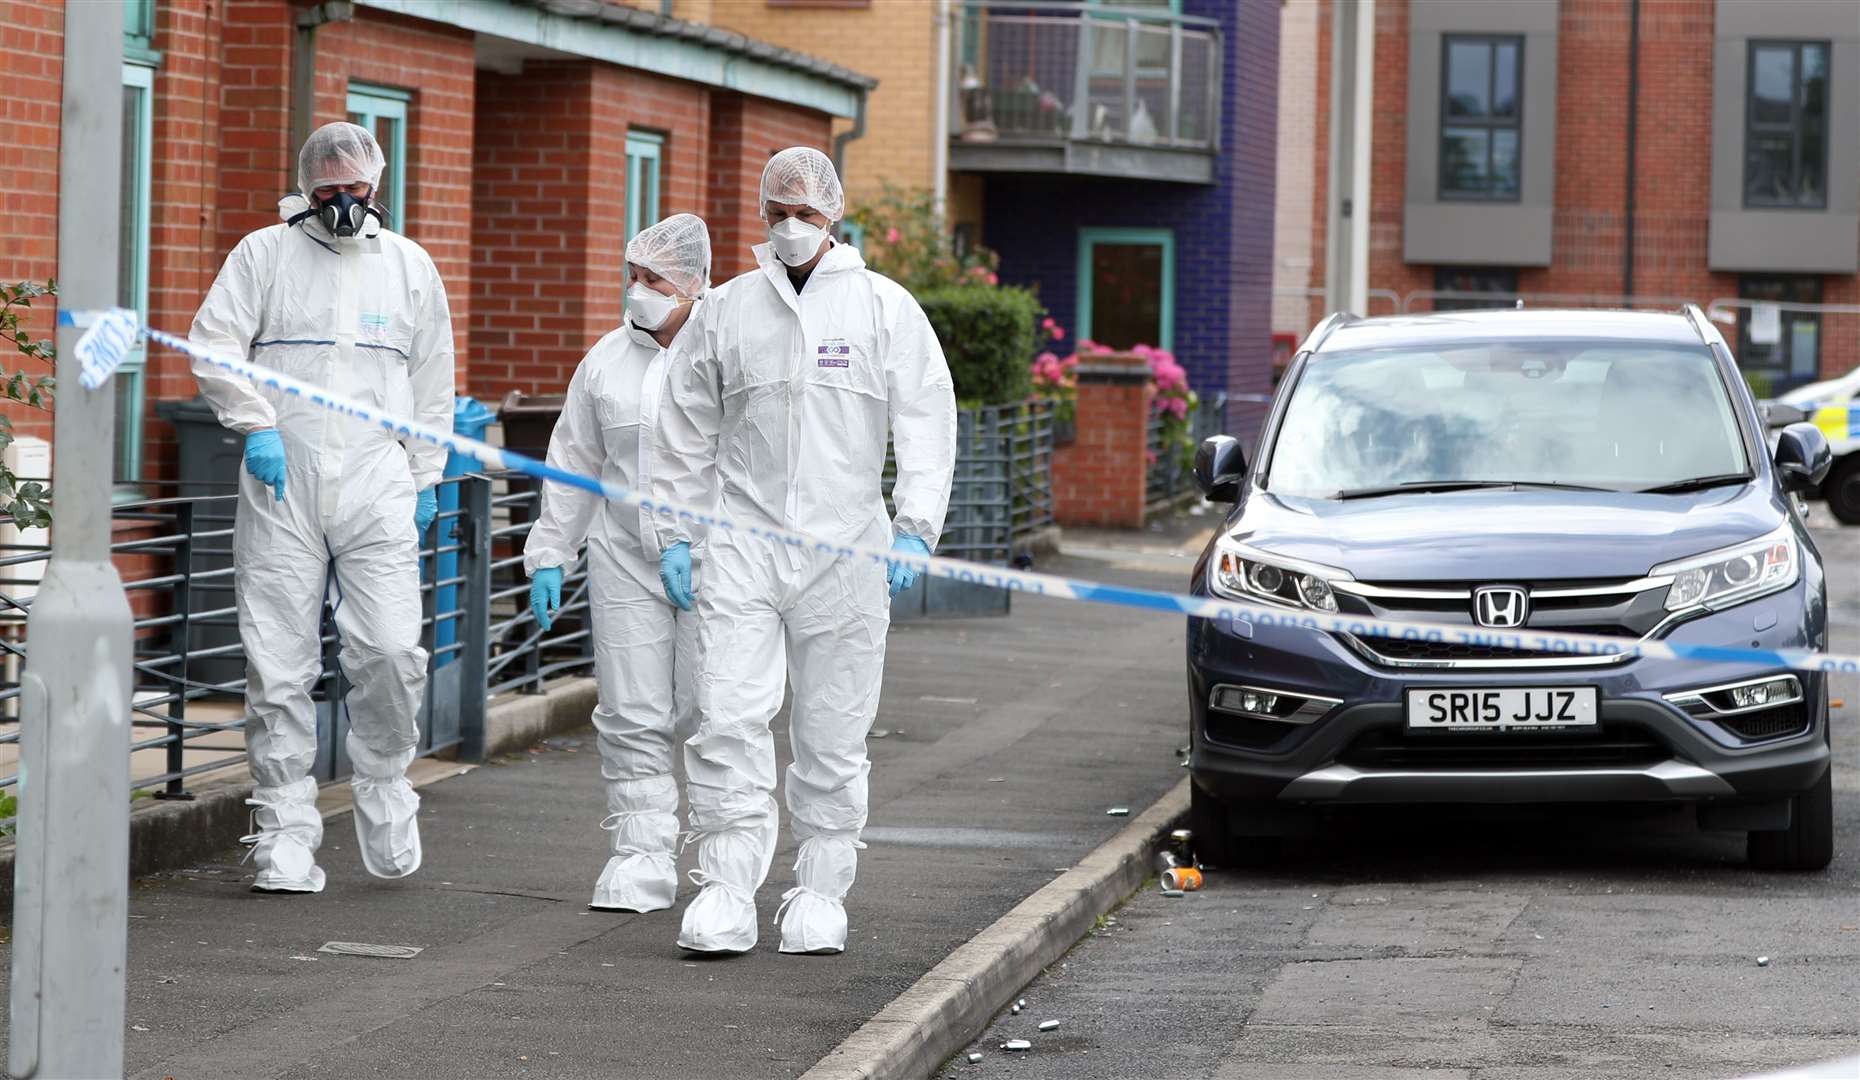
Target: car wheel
1216,843
1842,490
1808,842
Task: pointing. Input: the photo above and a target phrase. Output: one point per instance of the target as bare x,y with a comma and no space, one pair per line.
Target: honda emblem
1501,607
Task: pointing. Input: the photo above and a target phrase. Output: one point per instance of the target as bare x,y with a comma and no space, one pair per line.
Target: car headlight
1719,579
1240,573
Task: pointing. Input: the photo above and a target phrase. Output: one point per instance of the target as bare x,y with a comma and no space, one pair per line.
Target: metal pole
71,874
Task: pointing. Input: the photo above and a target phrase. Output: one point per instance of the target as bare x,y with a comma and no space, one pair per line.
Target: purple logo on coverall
835,354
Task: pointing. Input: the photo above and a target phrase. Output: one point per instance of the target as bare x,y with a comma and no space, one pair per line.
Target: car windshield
1582,414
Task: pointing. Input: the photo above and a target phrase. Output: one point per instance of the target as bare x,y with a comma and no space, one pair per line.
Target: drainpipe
939,147
1633,119
857,131
303,64
1362,127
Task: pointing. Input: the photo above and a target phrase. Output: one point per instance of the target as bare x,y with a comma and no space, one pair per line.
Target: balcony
1085,89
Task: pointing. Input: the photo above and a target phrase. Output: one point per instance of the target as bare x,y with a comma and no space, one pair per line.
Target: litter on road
380,952
1763,961
1182,878
973,1058
1174,892
1118,811
1048,1025
1017,1044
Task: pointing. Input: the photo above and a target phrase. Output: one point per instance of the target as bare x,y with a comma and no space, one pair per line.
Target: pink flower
992,279
1149,457
1069,362
1179,406
891,235
1059,332
1048,323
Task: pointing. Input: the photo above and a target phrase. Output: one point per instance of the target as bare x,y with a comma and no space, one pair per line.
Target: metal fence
1002,490
1171,473
175,555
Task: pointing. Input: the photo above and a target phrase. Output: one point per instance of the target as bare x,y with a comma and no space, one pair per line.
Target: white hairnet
802,176
677,249
339,153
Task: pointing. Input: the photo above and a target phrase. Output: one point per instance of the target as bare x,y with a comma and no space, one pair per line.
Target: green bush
988,336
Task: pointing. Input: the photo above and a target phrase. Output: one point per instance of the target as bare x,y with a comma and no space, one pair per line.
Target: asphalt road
1447,945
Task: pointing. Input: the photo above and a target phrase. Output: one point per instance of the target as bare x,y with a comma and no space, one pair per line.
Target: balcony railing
1088,88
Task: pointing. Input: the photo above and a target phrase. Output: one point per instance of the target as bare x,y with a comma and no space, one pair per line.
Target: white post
1362,128
939,149
1352,97
71,871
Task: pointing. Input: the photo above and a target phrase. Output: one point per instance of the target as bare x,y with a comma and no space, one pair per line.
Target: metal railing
1002,491
175,556
1171,472
1086,72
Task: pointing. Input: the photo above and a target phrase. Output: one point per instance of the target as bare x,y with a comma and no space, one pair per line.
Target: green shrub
988,336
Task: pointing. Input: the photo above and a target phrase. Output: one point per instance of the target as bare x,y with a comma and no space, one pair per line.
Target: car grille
1619,607
1791,719
1620,745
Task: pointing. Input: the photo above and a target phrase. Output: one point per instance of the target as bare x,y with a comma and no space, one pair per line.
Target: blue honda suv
1586,472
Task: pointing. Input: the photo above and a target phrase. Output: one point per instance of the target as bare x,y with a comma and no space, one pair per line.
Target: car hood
1498,535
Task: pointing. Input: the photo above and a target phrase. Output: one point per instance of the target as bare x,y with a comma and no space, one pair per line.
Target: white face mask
647,308
795,241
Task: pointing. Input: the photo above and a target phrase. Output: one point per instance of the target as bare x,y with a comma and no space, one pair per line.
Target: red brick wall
1673,165
744,133
32,70
1099,479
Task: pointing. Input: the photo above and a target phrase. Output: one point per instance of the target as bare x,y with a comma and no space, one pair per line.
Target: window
852,235
383,110
1474,279
132,266
1481,117
1126,290
1786,125
139,32
643,150
1778,350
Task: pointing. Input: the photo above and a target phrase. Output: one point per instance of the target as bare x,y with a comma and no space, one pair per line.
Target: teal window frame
1090,238
852,234
645,154
139,33
131,378
368,104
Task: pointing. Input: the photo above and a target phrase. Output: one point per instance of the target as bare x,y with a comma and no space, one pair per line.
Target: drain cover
363,948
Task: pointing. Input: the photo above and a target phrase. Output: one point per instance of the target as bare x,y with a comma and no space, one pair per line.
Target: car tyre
1216,844
1808,842
1842,490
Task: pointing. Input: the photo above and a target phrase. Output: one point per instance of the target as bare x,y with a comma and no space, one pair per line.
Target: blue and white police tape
1241,618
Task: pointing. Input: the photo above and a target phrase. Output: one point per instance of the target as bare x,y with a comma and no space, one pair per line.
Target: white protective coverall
367,317
645,650
792,396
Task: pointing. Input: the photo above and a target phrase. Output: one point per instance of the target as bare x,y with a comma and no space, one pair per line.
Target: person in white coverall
807,362
644,647
329,505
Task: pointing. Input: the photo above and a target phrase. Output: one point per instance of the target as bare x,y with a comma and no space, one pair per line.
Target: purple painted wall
1223,231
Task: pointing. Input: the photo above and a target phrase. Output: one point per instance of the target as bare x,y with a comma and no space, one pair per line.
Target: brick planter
1100,478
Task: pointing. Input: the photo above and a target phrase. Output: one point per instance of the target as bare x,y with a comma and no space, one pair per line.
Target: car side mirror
1219,465
1803,457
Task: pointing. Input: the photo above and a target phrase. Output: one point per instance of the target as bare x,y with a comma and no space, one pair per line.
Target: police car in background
1827,405
1523,473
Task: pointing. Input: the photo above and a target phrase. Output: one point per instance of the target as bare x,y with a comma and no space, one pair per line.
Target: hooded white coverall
367,317
792,397
645,650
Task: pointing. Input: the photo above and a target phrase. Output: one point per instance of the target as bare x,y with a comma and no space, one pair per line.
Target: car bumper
1359,751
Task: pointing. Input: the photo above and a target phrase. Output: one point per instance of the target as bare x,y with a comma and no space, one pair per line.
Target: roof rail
1323,329
1700,325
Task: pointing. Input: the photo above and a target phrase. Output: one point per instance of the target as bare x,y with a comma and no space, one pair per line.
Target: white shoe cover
636,883
722,919
387,825
286,829
812,916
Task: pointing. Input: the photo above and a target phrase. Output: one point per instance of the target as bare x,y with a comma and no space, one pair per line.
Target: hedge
988,338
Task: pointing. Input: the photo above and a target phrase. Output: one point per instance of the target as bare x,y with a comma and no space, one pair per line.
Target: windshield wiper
1413,486
1420,487
1696,483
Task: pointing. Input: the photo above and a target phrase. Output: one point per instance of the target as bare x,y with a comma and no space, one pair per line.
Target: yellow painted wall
894,41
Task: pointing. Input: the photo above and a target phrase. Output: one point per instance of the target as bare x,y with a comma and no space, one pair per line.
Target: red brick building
1502,138
526,140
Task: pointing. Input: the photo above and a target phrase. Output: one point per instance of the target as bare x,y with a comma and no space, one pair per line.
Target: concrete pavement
1004,742
1412,943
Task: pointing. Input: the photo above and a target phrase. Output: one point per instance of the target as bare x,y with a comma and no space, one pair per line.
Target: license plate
1504,708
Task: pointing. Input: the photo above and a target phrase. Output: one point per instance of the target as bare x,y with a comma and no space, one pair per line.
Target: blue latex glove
264,458
900,575
675,574
546,595
424,511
